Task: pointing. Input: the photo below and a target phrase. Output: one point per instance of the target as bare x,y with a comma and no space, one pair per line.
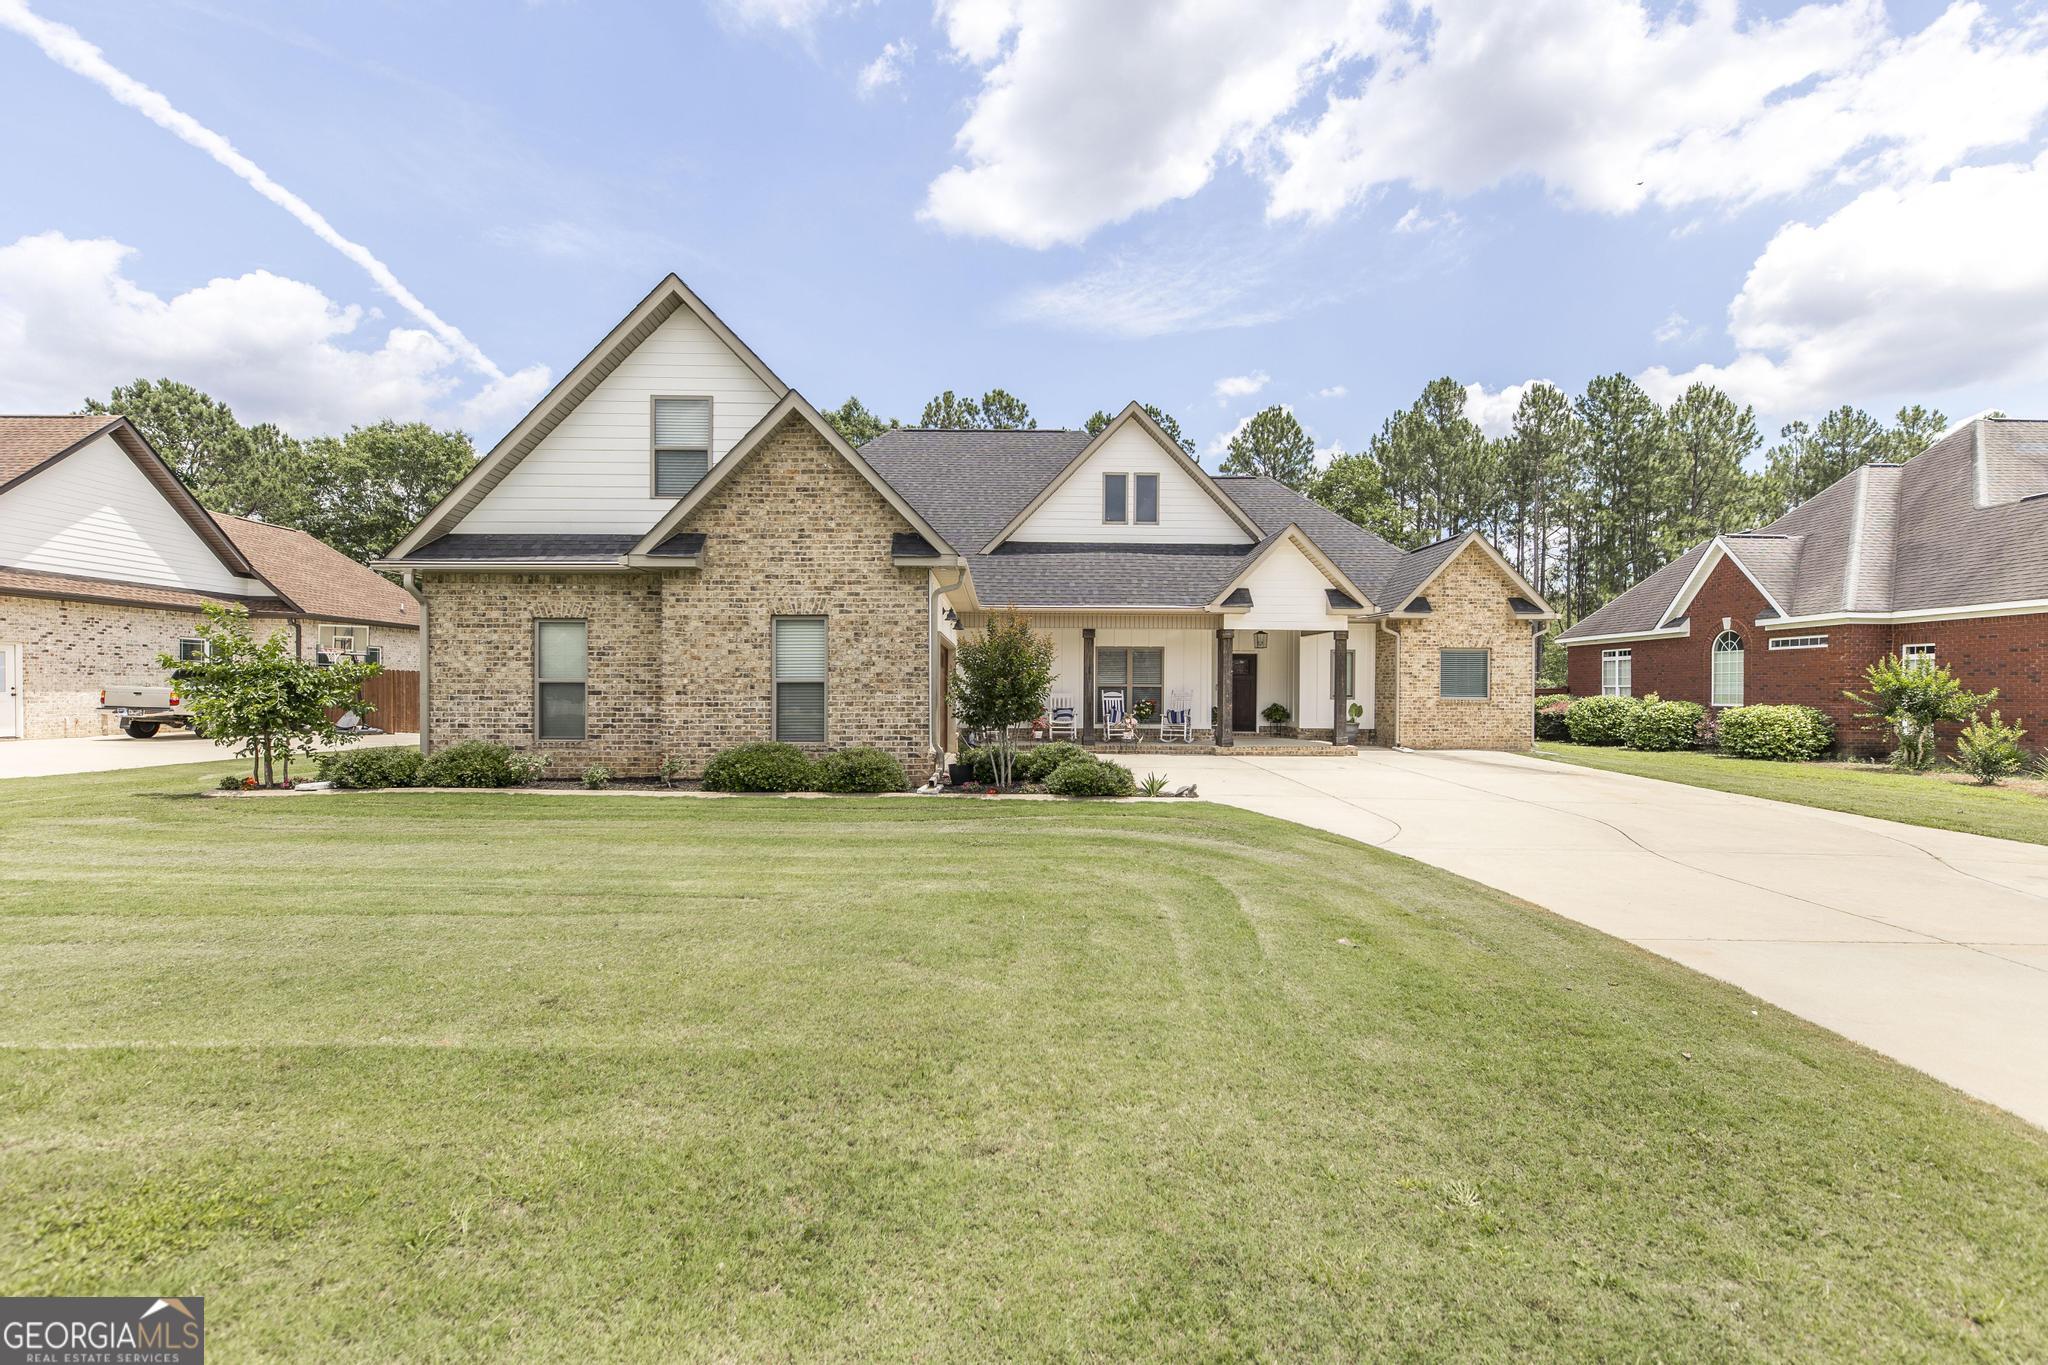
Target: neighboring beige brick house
674,553
106,561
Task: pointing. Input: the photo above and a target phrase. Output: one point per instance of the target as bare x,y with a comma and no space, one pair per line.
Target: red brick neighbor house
1942,558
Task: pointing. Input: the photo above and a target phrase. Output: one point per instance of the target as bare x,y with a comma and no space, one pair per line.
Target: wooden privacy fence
395,693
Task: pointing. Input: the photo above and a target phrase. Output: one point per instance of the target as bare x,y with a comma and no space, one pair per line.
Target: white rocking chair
1059,719
1116,724
1179,721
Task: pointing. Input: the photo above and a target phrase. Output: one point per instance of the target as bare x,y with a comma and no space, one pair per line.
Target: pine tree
1272,443
1711,442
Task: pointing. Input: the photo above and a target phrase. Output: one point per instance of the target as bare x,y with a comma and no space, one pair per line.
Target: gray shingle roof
562,548
1960,525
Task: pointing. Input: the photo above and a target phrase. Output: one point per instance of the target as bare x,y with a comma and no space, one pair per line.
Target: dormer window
1116,499
1147,509
682,444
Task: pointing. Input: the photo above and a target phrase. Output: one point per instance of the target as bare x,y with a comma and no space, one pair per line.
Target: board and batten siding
1187,514
593,473
1288,593
1315,654
95,515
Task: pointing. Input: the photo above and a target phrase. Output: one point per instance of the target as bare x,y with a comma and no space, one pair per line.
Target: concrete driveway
107,753
1928,946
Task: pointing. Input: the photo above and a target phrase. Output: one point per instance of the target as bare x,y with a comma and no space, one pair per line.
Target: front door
1244,692
10,691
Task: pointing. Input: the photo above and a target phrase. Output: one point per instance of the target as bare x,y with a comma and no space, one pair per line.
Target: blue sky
1325,201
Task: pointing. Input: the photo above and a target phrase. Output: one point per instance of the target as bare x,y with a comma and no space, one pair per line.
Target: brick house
1944,558
674,553
106,559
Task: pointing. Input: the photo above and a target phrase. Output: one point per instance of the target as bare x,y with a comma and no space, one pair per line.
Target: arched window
1727,679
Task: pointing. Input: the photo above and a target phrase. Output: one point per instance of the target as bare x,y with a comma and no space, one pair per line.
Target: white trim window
1138,674
799,663
1917,657
682,444
1725,688
1462,674
1799,642
1116,499
1617,672
193,651
336,641
561,679
1145,499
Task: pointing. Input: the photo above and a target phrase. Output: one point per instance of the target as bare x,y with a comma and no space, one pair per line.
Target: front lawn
397,1076
1938,799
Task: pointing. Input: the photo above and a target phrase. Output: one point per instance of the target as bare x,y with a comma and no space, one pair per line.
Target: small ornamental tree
263,696
1910,700
1001,680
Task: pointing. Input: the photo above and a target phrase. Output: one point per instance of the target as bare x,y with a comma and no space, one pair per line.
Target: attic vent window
682,444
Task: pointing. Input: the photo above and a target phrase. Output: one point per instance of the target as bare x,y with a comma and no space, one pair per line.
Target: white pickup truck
142,711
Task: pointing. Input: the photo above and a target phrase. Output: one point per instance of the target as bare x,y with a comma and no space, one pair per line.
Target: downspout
408,582
934,684
1394,709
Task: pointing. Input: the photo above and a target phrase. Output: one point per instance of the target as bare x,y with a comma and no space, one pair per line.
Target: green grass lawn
2013,810
395,1076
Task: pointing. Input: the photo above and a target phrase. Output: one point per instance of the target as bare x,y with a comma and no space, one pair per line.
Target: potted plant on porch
1277,717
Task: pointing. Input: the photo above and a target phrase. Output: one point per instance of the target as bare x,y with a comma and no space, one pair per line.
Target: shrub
1910,700
365,769
1600,720
1550,718
1661,726
861,770
1785,733
671,769
1035,765
1990,749
1090,777
1153,785
982,763
597,777
1275,715
761,767
231,783
527,768
472,763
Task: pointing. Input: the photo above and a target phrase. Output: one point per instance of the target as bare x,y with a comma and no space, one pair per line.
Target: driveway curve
1926,945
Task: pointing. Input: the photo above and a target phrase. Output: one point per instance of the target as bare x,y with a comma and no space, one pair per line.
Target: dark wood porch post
1221,733
1088,685
1340,723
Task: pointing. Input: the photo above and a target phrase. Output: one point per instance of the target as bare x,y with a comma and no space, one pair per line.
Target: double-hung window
1145,503
799,650
561,676
1916,657
1617,672
1725,684
682,444
192,651
1116,499
1462,674
1139,674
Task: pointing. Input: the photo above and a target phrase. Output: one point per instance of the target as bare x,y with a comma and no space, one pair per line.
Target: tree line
360,491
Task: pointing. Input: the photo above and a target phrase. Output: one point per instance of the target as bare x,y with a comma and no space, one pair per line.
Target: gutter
410,584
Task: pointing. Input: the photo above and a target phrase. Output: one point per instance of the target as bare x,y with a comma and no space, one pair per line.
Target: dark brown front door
1244,692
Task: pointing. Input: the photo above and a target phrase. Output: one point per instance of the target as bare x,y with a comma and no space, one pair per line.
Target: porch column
1088,685
1222,731
1340,715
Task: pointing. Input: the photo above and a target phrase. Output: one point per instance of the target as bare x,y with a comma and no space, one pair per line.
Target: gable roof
667,298
318,579
792,404
1423,567
1132,413
1960,527
31,444
1292,534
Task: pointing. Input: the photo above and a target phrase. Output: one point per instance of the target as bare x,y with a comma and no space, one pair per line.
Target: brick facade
1468,610
2006,652
71,649
680,660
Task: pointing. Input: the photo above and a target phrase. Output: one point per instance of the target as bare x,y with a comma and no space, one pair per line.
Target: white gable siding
1187,514
592,474
1288,593
95,515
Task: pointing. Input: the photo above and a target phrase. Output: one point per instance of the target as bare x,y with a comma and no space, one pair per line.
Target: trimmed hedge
1037,763
1090,776
763,767
1661,726
1792,734
1601,720
861,769
367,769
472,763
1550,718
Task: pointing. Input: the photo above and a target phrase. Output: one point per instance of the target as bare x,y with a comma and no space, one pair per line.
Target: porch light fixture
952,617
1258,639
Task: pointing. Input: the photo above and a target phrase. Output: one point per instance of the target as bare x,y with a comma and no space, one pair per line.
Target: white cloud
1334,391
1675,327
1219,444
1242,385
1918,289
1415,220
73,325
69,49
886,69
1494,409
789,16
1154,292
1089,112
1612,108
